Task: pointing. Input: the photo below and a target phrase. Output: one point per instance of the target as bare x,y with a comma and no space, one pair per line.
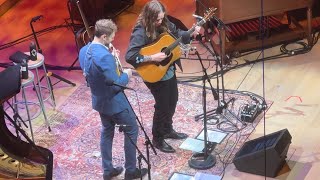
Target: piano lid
230,11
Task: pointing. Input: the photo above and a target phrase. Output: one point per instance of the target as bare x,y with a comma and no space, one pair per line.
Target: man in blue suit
102,72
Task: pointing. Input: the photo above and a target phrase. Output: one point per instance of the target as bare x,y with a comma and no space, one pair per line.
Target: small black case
18,57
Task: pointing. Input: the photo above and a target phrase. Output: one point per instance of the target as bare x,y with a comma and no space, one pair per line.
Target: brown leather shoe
175,135
163,146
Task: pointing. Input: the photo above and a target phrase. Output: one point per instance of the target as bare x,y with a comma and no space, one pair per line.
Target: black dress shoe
136,174
115,172
163,146
175,135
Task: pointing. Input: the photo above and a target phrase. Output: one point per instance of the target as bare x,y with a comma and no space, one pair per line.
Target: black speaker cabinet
251,157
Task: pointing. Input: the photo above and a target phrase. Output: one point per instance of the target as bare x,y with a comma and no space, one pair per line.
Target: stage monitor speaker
251,157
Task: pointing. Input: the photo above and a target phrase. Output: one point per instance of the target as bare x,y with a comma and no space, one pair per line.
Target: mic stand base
213,119
49,74
202,161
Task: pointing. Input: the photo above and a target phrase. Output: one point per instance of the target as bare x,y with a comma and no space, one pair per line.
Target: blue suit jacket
99,67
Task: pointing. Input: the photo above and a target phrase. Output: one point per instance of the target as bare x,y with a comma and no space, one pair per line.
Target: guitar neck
177,41
172,46
85,22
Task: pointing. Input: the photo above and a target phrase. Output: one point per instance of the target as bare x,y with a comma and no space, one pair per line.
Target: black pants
165,94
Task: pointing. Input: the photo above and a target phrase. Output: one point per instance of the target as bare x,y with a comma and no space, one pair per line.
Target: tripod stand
48,74
222,104
218,113
76,28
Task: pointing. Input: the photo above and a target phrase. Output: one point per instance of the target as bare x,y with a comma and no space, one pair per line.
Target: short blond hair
105,26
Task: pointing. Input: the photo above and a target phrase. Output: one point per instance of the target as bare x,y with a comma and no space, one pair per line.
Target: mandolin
84,35
154,71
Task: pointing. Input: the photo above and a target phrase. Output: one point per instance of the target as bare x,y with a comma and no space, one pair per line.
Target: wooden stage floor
292,83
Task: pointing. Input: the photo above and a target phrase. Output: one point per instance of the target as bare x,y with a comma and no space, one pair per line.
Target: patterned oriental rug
75,136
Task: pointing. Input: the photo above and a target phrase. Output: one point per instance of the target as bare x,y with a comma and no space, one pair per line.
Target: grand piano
242,30
20,158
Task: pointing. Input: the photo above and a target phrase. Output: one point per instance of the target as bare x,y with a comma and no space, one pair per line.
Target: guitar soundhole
169,56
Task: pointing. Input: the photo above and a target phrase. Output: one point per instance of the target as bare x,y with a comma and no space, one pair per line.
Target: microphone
112,83
34,19
221,23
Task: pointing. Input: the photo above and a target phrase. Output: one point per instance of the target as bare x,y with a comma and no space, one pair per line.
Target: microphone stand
217,113
141,156
221,27
203,160
17,117
221,104
219,63
147,142
216,95
40,51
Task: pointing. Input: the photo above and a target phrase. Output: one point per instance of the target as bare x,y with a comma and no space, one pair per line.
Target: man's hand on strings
196,31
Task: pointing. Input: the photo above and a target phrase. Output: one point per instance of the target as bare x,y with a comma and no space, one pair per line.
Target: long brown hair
149,16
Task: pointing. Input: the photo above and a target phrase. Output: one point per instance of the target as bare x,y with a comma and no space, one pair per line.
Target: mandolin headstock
209,13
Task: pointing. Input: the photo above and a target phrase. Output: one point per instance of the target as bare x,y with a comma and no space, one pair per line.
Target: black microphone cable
263,87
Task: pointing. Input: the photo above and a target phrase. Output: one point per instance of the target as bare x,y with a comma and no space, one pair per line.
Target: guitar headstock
209,13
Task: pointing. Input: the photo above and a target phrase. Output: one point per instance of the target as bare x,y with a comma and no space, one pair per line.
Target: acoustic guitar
153,71
84,36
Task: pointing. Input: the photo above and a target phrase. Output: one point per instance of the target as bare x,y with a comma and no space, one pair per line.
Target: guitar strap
94,63
178,62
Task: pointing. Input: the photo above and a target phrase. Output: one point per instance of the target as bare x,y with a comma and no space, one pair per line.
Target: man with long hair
101,70
151,22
